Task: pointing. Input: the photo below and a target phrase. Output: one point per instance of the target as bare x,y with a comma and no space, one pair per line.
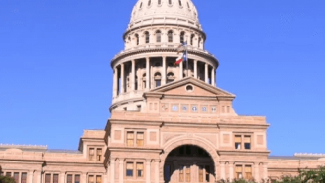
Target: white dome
151,12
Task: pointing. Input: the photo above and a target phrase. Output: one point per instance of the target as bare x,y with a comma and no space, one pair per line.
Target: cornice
122,102
160,49
243,153
242,126
134,149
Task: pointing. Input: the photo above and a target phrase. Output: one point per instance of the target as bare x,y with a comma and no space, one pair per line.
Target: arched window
192,38
140,5
170,77
157,79
158,36
180,2
182,37
137,38
149,2
188,5
144,81
199,42
170,2
136,83
170,36
159,2
147,37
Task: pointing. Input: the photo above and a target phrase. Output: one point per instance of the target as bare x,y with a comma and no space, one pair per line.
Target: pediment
191,87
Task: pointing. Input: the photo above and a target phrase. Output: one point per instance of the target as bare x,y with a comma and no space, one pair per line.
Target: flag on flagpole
181,58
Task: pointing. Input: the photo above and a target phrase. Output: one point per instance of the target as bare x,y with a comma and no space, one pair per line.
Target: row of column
112,170
163,81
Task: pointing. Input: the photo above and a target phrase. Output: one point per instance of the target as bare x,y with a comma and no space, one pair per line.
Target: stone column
30,176
148,171
206,73
163,81
222,171
148,74
115,82
265,171
195,69
256,172
121,171
112,171
231,171
133,75
83,178
181,70
156,171
213,77
62,177
37,176
122,79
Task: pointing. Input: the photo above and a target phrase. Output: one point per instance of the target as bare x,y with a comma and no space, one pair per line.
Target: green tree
5,179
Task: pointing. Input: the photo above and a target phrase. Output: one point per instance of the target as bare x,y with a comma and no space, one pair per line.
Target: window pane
98,179
69,178
140,137
8,174
16,177
200,173
99,154
247,139
207,173
188,174
129,169
77,178
47,178
238,139
55,178
167,173
24,177
140,169
181,174
90,179
130,138
91,154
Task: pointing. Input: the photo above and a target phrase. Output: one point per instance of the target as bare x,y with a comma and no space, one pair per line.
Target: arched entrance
189,163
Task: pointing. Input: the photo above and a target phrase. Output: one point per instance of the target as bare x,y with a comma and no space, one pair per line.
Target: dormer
93,146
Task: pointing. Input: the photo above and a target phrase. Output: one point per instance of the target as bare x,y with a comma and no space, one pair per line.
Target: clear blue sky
55,70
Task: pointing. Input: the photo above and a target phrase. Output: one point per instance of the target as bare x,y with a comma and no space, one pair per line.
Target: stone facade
169,123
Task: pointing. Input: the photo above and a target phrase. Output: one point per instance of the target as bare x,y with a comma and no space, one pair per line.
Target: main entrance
189,163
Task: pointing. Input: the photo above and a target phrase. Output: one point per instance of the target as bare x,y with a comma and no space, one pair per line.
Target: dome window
182,37
188,5
170,36
137,38
149,2
140,5
180,2
158,79
170,77
192,37
147,37
159,2
170,2
158,36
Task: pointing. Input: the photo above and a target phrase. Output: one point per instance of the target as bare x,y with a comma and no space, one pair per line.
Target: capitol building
169,123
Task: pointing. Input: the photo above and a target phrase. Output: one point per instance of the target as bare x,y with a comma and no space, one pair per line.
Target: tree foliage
304,176
6,179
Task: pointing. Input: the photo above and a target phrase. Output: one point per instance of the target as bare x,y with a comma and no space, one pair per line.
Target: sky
56,79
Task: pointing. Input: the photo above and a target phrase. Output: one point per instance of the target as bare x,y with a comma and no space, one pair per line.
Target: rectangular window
55,178
98,179
8,174
1,173
24,177
200,173
77,179
248,172
69,178
99,154
91,154
181,173
158,83
130,138
90,179
16,177
140,169
247,142
188,174
239,172
129,169
140,138
47,178
237,142
207,173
